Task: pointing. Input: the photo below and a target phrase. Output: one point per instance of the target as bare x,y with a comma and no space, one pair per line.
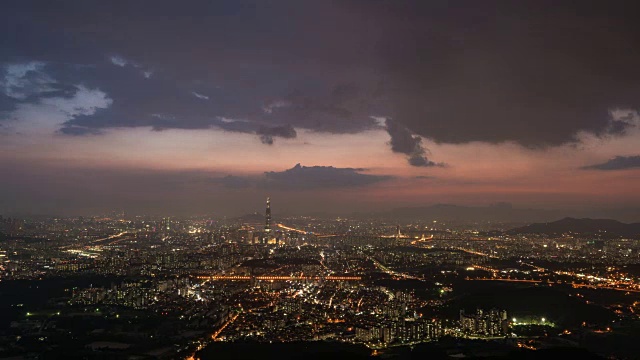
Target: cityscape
319,179
168,287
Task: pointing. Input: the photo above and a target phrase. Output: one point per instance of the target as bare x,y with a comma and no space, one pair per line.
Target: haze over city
329,106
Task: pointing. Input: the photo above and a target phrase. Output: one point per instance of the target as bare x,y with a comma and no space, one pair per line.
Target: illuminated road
282,278
215,335
474,252
92,242
396,236
282,226
540,269
589,286
604,287
508,280
110,237
574,285
391,272
485,268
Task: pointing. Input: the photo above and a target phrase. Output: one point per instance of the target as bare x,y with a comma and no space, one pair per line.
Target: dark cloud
318,177
27,82
6,104
305,178
339,108
283,131
510,72
480,71
79,131
402,141
236,71
617,163
157,101
421,161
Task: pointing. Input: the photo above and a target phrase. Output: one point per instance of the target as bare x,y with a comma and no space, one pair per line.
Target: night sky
195,107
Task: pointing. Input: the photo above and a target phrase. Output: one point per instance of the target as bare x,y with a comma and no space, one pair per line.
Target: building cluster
402,331
141,294
11,226
490,323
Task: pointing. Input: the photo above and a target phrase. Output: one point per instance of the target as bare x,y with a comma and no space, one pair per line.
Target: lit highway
281,278
93,242
391,272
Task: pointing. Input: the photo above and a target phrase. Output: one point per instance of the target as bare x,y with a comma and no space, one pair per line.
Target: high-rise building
165,224
267,223
492,323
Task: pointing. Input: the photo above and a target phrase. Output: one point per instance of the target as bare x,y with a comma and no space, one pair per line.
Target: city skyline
207,107
313,179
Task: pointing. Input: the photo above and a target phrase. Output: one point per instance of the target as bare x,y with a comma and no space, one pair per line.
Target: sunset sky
197,107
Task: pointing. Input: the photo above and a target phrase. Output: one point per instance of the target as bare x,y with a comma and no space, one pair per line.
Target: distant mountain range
602,227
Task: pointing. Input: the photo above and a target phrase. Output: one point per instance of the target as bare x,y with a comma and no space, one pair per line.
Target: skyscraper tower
267,223
165,224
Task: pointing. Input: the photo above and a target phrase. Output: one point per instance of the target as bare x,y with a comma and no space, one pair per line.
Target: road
282,278
391,272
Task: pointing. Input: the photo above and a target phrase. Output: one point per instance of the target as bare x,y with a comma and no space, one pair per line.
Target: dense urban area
122,286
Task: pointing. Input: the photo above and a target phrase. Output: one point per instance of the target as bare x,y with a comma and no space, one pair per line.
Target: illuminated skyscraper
165,224
267,223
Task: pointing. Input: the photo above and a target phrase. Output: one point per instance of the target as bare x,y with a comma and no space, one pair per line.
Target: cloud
46,115
304,178
318,177
381,121
421,161
283,131
6,103
121,61
228,120
157,102
35,101
336,108
620,120
617,163
264,94
200,96
445,74
629,116
118,61
511,76
402,141
274,105
24,80
84,102
78,131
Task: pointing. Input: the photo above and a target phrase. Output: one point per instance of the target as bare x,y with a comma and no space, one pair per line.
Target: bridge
280,278
506,280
